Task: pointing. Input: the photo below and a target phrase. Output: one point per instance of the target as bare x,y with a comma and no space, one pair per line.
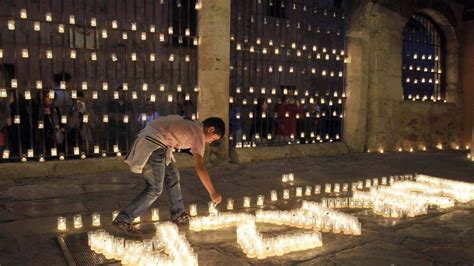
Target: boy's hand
216,197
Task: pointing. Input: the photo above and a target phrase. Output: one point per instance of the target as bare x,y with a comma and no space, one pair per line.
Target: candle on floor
155,214
96,219
61,223
77,221
193,209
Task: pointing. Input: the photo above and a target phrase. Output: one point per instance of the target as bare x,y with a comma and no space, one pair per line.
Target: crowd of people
57,118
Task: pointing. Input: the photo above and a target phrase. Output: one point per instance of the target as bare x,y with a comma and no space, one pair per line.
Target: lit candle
284,178
136,219
114,215
327,188
286,193
246,202
307,191
77,221
155,214
61,223
317,189
274,195
96,219
299,191
260,200
291,177
193,209
230,204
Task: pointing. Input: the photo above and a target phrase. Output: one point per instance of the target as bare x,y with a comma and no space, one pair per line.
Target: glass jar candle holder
317,189
327,188
273,195
96,219
345,187
291,177
136,219
77,221
155,214
368,183
230,204
212,208
360,184
286,193
114,215
375,181
62,223
284,178
246,202
307,191
260,200
193,209
337,188
299,192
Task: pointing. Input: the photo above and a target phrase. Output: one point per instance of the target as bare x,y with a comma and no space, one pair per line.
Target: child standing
154,146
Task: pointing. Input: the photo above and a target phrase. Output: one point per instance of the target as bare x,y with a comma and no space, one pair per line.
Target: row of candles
167,247
104,32
413,198
286,194
438,146
96,219
254,245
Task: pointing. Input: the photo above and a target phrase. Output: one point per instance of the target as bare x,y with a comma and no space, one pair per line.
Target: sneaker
127,228
182,219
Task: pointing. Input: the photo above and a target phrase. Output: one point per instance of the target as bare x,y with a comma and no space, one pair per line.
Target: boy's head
214,129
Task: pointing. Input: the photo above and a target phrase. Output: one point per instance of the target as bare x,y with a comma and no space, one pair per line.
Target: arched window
423,60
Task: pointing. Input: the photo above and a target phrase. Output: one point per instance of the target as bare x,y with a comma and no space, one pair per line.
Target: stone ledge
12,171
244,155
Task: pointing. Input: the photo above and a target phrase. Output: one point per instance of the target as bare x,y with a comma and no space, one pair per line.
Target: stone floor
29,208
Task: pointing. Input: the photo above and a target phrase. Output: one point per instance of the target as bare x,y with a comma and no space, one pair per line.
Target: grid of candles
392,197
167,247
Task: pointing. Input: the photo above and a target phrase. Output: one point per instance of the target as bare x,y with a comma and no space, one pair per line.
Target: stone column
213,68
468,84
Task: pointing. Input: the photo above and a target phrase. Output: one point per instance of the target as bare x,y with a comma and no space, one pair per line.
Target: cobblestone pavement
29,209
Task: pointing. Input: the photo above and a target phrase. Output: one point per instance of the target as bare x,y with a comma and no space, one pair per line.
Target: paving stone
213,257
39,191
374,253
107,187
451,254
45,207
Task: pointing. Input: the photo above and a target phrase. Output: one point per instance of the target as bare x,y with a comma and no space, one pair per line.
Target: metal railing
79,78
287,72
423,60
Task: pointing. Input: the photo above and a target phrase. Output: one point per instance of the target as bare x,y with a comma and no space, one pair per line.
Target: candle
155,214
317,189
284,178
193,209
337,188
246,202
77,221
61,223
260,200
96,219
291,177
114,215
273,195
212,208
327,188
299,191
230,204
286,193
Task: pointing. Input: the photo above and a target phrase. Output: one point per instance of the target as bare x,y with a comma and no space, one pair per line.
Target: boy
154,145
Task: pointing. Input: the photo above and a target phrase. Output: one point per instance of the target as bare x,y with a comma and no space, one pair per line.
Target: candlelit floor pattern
29,211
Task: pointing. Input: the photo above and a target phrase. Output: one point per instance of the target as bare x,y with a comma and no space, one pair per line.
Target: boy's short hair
217,123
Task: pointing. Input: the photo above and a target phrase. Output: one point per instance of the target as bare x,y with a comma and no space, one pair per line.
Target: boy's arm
205,178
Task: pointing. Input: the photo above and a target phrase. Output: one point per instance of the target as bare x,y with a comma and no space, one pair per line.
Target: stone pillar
355,120
213,68
468,83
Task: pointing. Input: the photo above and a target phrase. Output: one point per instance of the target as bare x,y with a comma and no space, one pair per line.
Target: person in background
150,112
119,130
53,133
20,135
5,122
186,108
62,98
80,130
287,121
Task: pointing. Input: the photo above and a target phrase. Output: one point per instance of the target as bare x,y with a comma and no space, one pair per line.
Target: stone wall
377,116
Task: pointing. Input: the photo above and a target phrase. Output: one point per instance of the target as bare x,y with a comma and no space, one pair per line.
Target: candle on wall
260,200
286,193
114,215
307,191
246,202
193,209
299,192
274,195
230,204
317,189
